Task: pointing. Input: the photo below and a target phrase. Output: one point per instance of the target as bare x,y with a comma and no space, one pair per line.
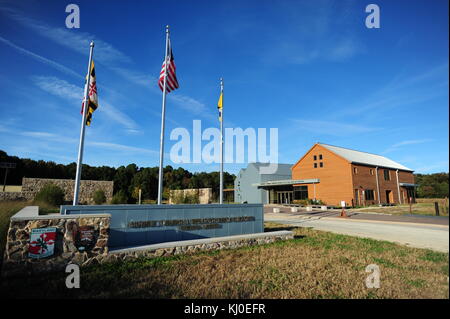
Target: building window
371,171
315,157
369,194
321,164
355,170
387,176
300,192
315,165
320,156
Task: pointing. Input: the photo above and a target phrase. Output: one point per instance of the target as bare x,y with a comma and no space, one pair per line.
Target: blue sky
309,68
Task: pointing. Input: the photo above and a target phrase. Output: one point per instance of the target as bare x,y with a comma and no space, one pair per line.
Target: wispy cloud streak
331,128
397,146
77,41
65,90
40,58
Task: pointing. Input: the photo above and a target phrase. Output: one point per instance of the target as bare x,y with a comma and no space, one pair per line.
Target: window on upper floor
355,170
320,156
387,175
371,171
315,157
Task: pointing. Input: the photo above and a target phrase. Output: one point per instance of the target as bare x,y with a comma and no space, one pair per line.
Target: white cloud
121,147
72,39
39,58
441,166
106,54
49,136
403,90
331,128
65,90
59,87
396,146
136,77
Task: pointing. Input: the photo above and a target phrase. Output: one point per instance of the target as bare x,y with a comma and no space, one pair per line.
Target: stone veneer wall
31,186
16,260
204,194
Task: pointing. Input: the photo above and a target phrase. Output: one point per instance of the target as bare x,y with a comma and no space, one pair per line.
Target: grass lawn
315,264
422,207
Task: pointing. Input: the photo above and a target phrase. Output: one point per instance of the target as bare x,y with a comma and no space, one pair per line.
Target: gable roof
358,157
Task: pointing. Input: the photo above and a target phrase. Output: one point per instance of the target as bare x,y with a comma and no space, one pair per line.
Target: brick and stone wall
204,194
16,259
31,186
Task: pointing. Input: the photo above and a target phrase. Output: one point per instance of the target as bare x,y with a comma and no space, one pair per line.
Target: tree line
432,185
127,179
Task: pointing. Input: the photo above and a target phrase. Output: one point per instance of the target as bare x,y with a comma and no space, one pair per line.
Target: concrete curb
203,241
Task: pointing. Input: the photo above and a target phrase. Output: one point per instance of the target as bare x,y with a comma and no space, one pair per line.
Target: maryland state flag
92,93
220,105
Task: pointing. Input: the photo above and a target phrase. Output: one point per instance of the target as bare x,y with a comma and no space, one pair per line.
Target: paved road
421,219
420,235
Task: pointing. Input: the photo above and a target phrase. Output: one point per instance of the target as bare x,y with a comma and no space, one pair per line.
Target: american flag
171,82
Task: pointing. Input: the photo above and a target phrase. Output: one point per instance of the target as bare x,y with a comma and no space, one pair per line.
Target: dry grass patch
315,264
422,207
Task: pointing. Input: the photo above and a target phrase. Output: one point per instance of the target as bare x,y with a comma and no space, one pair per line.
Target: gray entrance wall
244,189
133,225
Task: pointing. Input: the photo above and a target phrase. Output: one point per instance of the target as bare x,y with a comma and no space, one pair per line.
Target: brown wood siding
335,176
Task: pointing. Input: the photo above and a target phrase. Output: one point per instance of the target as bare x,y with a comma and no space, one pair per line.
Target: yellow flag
219,104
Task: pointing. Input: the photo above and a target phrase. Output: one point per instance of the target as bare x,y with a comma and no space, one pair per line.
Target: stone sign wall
204,194
43,243
31,186
82,240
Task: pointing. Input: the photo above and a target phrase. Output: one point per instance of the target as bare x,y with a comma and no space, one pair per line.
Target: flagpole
83,126
221,144
163,114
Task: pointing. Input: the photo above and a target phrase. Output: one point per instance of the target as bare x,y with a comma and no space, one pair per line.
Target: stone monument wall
16,258
31,186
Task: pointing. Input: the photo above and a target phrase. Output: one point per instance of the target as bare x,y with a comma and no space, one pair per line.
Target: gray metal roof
282,169
365,158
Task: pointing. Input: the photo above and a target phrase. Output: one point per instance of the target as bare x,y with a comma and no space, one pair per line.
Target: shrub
181,198
120,198
191,199
315,202
302,202
50,194
99,197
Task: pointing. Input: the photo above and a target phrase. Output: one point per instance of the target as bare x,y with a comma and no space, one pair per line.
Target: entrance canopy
287,190
286,182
